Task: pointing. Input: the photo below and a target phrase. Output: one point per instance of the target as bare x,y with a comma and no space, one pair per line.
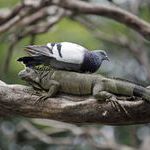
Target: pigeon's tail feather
33,61
34,50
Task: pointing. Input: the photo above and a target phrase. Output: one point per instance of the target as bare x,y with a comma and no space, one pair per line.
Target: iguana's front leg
100,94
53,89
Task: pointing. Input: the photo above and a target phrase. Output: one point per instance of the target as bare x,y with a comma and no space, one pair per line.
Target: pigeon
64,56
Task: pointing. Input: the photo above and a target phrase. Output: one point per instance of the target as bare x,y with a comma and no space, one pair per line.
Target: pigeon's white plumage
70,52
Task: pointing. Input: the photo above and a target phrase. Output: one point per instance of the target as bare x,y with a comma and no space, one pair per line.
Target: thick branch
19,100
112,12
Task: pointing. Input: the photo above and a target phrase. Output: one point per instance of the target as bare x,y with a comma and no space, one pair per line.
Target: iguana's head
30,75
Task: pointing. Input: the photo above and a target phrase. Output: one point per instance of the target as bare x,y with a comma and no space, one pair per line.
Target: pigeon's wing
37,50
63,52
64,65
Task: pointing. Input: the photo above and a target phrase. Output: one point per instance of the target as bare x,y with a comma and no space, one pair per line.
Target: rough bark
19,100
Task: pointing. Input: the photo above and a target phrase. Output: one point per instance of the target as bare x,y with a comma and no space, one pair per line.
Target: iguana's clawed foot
116,105
114,102
103,95
41,99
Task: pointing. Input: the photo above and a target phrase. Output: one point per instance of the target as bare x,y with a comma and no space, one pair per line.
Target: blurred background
32,22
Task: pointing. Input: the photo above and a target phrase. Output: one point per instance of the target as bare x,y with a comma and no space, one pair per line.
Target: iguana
100,87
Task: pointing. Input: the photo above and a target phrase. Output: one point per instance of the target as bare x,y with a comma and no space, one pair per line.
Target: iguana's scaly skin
102,88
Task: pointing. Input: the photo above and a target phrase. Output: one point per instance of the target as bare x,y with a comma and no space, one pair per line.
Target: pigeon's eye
103,54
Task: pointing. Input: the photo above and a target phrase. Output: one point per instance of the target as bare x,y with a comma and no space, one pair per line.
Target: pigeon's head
30,75
93,60
101,55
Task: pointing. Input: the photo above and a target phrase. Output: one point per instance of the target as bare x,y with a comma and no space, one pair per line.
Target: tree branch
111,12
20,100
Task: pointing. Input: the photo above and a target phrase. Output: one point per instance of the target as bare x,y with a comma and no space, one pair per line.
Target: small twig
10,52
32,39
16,10
11,22
41,14
44,27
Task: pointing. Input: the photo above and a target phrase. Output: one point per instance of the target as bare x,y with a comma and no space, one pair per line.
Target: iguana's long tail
142,92
126,88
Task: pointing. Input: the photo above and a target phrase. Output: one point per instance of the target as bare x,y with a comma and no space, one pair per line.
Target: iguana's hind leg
53,89
100,94
103,95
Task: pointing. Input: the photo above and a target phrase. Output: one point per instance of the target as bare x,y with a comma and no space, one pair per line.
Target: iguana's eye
27,70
